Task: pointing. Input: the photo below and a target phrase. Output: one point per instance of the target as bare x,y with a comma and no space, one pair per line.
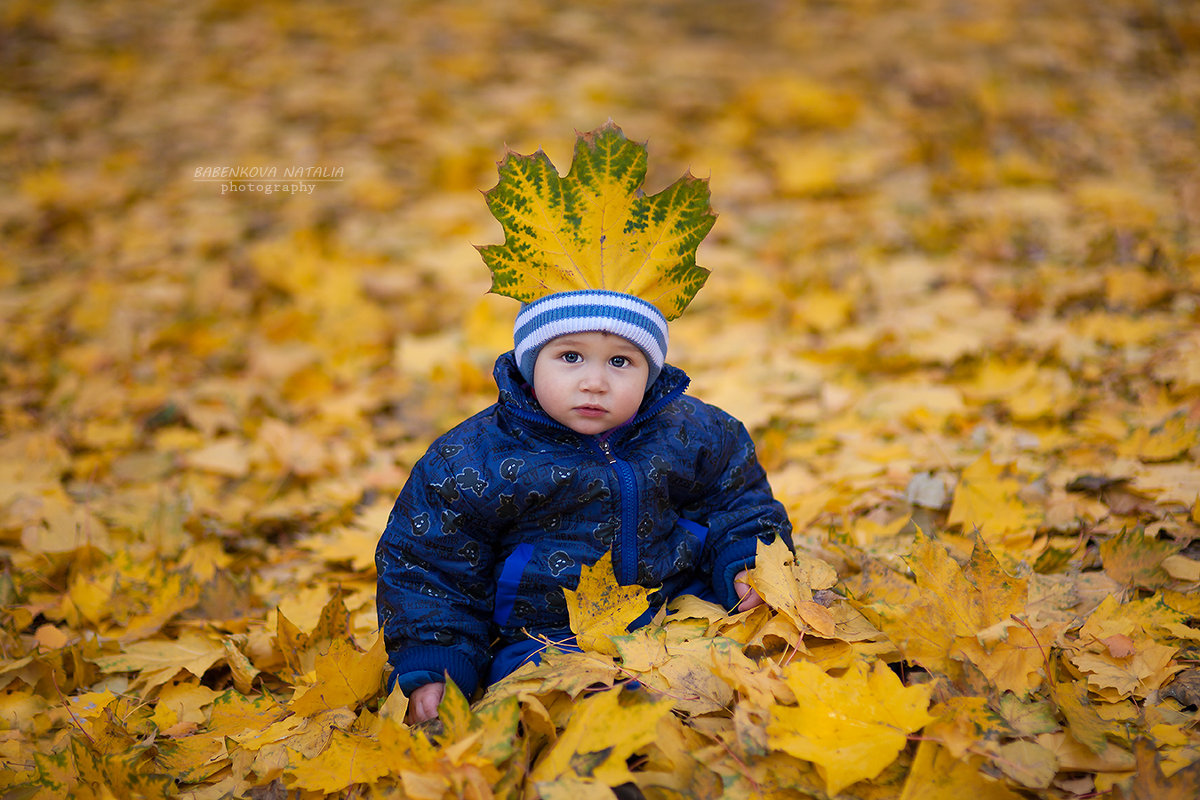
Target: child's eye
619,361
571,357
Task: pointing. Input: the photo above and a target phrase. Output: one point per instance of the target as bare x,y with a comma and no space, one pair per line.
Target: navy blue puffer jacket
502,512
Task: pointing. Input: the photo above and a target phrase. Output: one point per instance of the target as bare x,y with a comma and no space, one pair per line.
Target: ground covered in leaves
955,294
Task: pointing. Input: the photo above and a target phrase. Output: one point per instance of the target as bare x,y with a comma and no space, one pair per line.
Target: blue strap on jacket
510,580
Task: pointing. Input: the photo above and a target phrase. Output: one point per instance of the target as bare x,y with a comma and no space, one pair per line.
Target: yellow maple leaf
290,449
604,730
786,587
1028,763
852,726
158,660
91,704
999,378
1072,756
761,684
90,596
349,758
64,527
986,499
600,608
168,594
1052,393
970,614
241,668
228,456
936,774
345,677
1015,661
182,703
963,723
1164,442
569,672
1143,671
687,675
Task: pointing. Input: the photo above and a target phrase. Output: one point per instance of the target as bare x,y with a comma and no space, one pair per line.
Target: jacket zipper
626,564
626,567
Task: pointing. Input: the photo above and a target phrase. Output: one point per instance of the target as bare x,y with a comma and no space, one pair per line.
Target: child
592,446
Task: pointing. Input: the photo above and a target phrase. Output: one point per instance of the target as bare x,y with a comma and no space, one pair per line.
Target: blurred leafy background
948,230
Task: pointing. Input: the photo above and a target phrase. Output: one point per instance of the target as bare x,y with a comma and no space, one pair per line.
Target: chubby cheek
555,403
628,404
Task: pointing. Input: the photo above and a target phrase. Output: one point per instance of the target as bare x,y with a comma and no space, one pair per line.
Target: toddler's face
590,382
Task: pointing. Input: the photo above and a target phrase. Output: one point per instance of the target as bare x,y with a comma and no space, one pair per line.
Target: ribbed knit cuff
728,563
416,666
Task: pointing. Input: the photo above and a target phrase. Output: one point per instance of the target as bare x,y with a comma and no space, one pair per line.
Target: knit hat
588,310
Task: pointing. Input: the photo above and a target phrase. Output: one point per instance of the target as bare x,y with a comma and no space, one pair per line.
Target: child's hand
748,597
423,702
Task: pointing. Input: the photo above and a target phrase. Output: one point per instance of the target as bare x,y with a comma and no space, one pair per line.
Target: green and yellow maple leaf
233,713
191,759
595,228
964,723
1086,726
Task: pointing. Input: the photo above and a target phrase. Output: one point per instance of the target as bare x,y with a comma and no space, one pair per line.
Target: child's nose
593,380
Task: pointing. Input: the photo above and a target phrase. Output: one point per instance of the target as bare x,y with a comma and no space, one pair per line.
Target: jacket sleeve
740,510
435,589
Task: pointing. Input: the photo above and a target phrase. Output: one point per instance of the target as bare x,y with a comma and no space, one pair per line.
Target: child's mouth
590,411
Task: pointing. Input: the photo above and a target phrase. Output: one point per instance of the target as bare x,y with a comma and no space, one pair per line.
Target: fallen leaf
851,726
600,608
988,501
1149,782
936,775
604,732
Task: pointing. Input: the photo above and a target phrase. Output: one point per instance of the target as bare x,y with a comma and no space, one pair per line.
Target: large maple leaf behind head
596,228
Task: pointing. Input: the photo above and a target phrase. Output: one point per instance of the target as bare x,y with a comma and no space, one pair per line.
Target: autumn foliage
954,293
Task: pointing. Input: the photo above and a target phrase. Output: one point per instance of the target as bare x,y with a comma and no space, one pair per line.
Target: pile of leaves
956,278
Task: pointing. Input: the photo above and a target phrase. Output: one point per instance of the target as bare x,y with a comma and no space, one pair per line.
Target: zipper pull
607,452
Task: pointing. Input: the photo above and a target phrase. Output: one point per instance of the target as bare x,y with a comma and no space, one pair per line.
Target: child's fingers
432,699
424,702
749,598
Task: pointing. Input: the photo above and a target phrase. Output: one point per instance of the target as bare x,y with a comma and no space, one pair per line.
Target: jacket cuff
728,563
414,667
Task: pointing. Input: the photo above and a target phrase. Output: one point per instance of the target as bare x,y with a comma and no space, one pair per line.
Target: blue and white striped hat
590,310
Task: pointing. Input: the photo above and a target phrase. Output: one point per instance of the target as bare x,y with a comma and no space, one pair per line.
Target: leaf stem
67,706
